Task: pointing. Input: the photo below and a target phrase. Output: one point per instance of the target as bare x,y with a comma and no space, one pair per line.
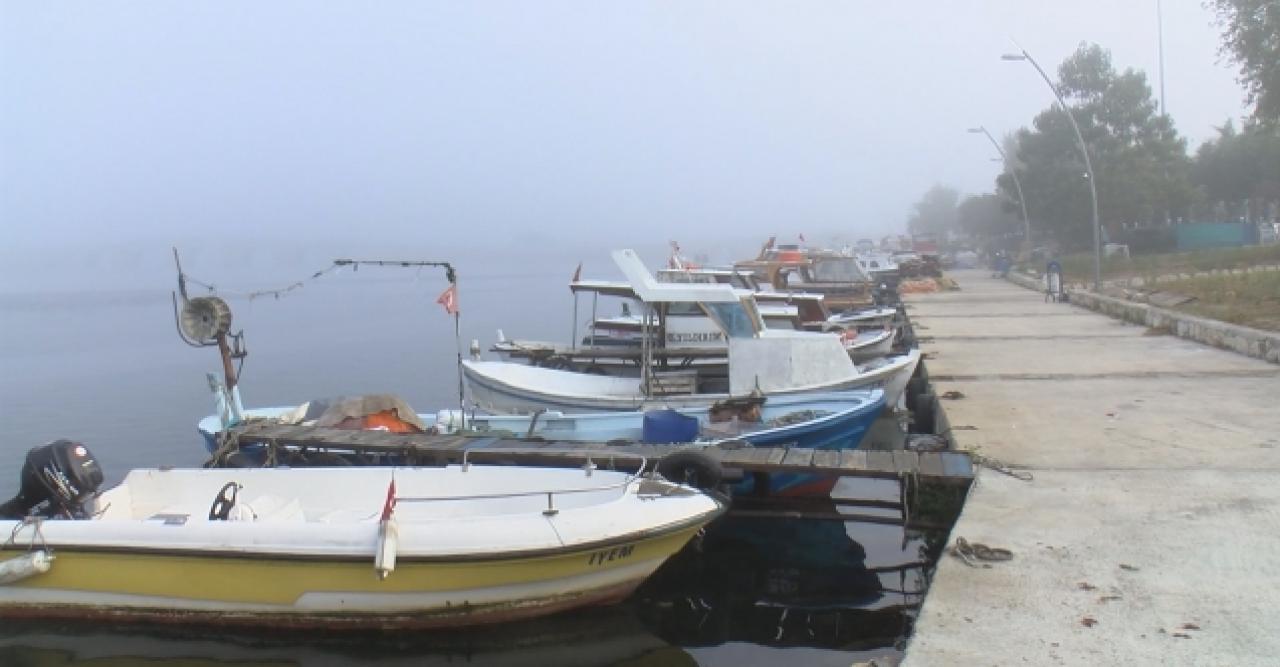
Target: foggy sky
520,123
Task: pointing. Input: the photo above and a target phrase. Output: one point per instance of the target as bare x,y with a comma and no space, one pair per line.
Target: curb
1248,341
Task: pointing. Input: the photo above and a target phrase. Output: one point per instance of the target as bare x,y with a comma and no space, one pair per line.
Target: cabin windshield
683,309
737,320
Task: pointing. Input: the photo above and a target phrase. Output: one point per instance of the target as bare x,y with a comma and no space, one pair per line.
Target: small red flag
390,505
449,299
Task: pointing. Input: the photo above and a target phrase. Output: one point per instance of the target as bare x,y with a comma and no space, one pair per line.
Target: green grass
1080,267
1249,299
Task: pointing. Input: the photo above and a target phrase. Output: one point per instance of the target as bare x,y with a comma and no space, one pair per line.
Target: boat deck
950,467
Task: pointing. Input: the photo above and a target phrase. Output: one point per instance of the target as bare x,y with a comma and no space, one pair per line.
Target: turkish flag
449,299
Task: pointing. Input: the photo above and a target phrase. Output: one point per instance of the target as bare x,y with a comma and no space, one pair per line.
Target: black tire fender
693,467
923,416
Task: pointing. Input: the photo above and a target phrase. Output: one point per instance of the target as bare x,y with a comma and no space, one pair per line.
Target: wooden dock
428,449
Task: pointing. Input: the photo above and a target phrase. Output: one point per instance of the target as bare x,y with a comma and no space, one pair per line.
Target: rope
229,442
256,294
1000,467
354,264
970,554
36,521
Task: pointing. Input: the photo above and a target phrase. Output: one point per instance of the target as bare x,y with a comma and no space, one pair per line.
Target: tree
935,213
1238,173
1251,38
988,216
1138,158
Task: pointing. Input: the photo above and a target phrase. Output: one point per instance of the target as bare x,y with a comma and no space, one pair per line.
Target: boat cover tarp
384,411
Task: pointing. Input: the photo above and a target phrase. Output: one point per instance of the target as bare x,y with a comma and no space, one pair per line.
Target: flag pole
452,276
573,335
457,342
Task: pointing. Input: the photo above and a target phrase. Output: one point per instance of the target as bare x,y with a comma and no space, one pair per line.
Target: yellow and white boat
339,547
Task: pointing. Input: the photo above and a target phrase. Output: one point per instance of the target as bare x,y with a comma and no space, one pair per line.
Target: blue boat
828,420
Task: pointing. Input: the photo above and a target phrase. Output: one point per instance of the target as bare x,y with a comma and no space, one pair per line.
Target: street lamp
1026,220
1088,166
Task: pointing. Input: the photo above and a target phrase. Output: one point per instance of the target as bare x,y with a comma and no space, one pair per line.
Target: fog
267,138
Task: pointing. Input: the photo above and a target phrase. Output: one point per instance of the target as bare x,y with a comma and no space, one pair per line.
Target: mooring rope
969,554
1000,467
36,521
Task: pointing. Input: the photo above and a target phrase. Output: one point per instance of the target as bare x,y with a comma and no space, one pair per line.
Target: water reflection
780,582
607,636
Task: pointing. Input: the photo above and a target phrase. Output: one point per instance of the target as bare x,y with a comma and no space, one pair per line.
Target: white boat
512,388
866,345
760,361
339,547
874,316
880,265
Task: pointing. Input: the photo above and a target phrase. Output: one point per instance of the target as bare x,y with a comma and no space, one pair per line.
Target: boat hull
875,346
352,547
249,589
537,389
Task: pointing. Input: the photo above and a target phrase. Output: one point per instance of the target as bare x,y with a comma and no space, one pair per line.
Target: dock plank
931,464
881,461
957,464
906,462
853,459
503,448
826,458
797,456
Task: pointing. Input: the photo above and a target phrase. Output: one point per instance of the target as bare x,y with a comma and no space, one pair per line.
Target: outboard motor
57,480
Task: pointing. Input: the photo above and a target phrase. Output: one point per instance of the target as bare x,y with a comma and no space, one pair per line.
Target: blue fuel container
663,427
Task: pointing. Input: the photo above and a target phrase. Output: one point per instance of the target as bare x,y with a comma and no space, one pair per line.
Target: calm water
104,366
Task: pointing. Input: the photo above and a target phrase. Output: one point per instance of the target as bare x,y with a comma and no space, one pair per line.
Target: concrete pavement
1150,532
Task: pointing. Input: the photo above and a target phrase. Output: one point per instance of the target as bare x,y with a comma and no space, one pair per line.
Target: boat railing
549,493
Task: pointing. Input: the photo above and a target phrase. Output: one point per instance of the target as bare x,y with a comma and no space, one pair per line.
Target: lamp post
1026,220
1088,166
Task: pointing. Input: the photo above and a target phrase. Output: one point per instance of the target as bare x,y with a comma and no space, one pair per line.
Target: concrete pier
1149,533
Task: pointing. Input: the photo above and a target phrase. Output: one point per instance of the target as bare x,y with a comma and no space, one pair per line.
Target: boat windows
737,320
685,309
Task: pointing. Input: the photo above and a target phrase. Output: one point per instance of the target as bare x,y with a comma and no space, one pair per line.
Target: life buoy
692,467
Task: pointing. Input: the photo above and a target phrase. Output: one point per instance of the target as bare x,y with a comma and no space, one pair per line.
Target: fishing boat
369,547
834,420
677,333
760,360
680,333
869,344
517,388
873,316
839,278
